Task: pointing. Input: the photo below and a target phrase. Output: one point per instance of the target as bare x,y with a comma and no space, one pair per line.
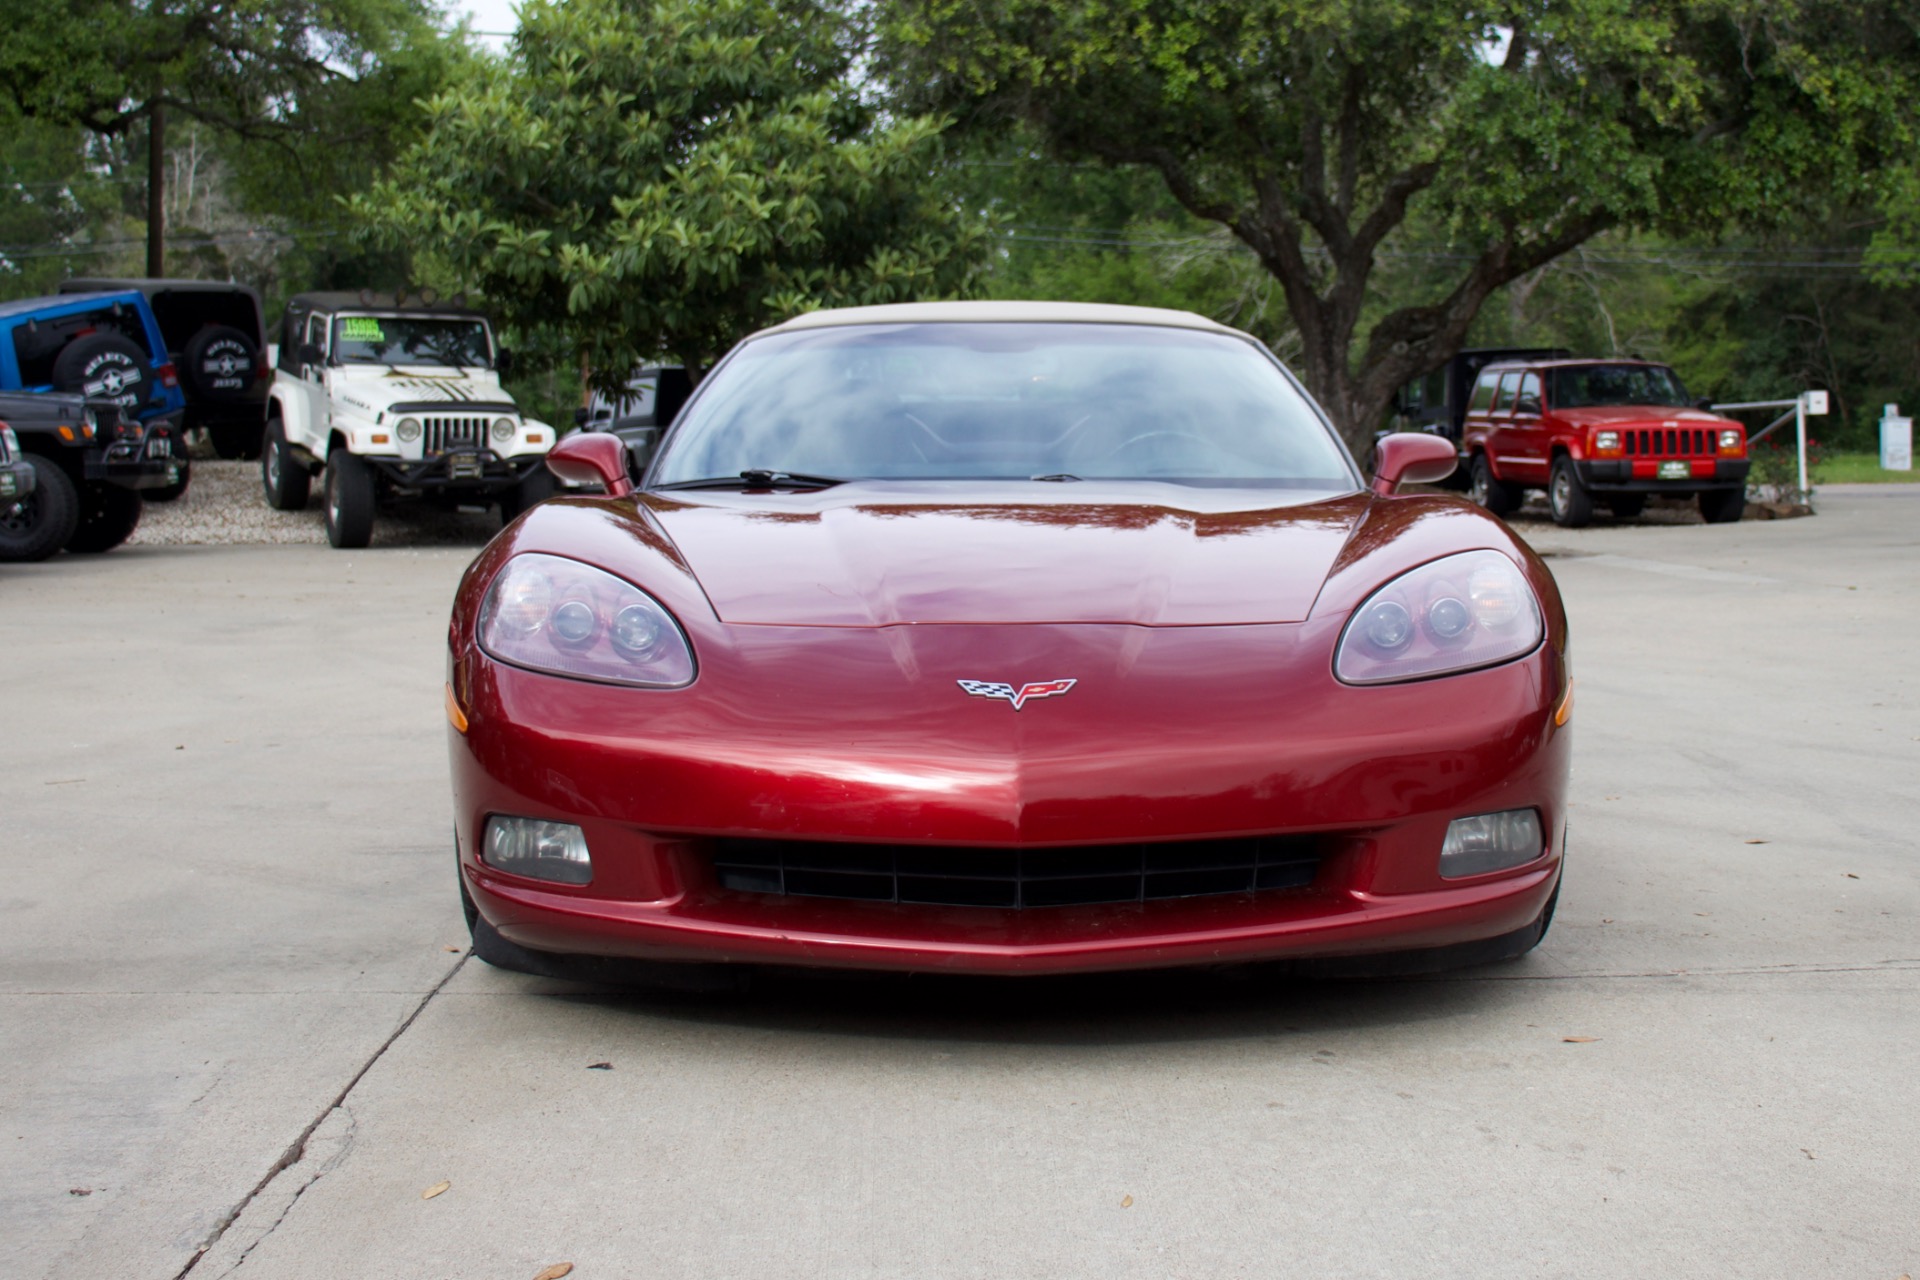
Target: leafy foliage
661,179
1323,133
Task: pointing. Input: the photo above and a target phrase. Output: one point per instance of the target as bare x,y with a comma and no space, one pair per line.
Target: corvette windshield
1005,401
1588,386
411,340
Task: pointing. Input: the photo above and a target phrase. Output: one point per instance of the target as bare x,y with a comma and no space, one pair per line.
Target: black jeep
216,336
89,464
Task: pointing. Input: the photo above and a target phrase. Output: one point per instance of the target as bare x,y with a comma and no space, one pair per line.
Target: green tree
1321,133
254,69
656,180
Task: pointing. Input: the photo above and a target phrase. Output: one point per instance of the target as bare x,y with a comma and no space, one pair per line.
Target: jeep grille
449,433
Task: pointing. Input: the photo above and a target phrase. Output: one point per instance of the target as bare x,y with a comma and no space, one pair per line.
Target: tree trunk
156,189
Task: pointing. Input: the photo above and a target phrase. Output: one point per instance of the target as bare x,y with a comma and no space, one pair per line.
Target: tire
220,364
1497,496
183,475
350,496
1722,506
108,517
233,440
1625,506
537,487
40,523
1568,499
108,366
285,479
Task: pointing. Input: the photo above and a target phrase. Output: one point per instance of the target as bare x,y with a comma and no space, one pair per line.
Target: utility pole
156,187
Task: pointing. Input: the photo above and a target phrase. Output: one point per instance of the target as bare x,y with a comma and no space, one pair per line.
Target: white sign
1816,402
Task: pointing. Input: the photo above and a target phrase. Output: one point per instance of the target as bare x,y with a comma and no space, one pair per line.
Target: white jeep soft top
395,400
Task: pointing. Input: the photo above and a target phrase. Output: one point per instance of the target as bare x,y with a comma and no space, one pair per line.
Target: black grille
448,433
1648,442
1006,878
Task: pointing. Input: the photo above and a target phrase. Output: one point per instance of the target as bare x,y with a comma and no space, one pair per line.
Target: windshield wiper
759,478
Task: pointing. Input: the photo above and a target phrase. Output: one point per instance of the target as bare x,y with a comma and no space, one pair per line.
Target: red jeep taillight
169,376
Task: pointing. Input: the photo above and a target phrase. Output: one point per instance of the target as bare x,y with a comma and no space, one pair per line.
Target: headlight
1466,611
504,429
1606,442
408,429
1730,441
560,616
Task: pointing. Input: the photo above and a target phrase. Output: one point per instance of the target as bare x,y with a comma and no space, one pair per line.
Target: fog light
538,848
1490,842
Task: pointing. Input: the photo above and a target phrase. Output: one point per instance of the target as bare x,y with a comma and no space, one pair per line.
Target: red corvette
1006,638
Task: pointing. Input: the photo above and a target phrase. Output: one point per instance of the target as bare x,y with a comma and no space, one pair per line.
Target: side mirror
1704,404
310,353
503,362
592,457
1412,457
1527,408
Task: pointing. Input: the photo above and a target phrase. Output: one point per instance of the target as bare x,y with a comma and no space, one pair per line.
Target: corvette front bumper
1171,734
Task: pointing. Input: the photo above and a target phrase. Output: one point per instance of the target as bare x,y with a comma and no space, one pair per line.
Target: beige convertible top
990,312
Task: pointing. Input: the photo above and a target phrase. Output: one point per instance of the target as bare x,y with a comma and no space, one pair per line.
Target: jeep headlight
408,429
504,429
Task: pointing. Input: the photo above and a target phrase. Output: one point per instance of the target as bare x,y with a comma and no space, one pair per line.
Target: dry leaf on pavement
1126,1202
555,1271
1578,1039
434,1190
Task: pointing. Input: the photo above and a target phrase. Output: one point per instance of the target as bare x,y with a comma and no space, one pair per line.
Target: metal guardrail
1796,409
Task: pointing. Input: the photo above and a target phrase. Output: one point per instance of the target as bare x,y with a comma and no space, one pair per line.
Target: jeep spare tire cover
107,366
221,363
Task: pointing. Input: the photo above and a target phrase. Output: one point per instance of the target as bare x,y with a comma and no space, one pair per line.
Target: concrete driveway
242,1036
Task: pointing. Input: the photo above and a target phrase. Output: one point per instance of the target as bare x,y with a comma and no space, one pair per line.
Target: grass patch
1860,468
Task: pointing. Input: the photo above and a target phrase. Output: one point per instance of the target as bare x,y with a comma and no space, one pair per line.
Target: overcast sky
487,15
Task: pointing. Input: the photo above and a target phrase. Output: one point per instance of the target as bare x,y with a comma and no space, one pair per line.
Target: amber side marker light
455,716
1561,713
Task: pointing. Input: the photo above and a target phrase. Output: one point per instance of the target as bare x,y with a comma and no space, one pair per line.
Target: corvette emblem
1018,697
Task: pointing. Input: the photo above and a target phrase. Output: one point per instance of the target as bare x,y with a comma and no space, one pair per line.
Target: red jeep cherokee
1612,430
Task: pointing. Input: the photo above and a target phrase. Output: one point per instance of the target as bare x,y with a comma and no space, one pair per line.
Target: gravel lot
224,507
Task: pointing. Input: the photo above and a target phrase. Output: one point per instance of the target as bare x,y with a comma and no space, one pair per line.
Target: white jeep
388,398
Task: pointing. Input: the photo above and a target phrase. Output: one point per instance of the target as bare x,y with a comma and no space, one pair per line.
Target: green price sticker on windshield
362,329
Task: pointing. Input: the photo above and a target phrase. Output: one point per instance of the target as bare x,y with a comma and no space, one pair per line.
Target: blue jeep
97,417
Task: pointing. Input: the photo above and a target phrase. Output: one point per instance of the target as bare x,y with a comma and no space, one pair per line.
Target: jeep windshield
396,340
1588,386
1055,402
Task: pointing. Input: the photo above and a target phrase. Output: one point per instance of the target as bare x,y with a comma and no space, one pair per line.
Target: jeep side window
1529,401
1483,393
1509,387
317,331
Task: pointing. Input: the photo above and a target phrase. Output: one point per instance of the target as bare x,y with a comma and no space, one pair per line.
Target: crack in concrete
342,1145
297,1151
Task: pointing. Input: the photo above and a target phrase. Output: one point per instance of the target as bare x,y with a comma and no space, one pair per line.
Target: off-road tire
176,488
40,523
1570,501
1497,496
84,362
220,364
1722,506
108,517
283,477
350,500
537,487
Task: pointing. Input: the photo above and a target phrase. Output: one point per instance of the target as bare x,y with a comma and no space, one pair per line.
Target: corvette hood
873,554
